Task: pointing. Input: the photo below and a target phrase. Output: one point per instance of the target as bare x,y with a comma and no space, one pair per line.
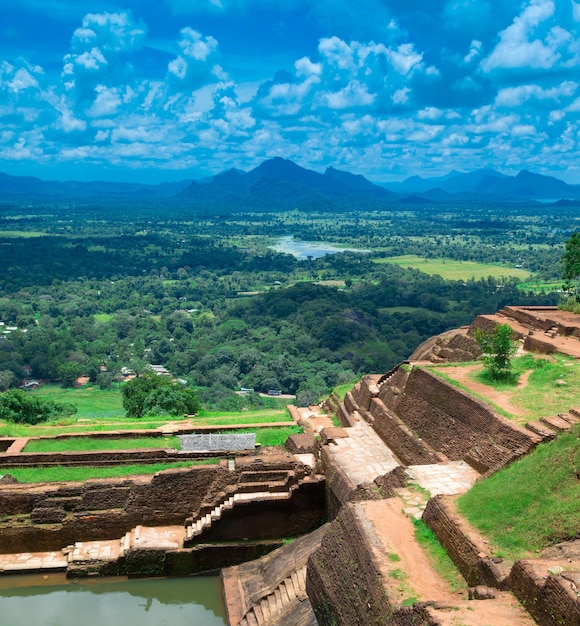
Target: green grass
452,269
531,504
102,318
342,390
269,436
90,400
537,286
79,474
72,427
78,444
207,418
25,234
553,386
438,557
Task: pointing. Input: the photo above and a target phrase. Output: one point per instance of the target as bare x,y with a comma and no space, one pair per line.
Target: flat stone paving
449,479
32,561
363,455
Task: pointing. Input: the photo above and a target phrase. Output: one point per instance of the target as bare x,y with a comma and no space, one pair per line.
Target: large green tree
157,395
571,263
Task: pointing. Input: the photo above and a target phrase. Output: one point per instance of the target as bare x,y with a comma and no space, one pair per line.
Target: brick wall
408,448
457,425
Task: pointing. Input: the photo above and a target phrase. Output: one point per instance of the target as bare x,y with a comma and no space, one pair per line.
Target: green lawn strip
268,436
342,390
452,269
207,418
438,557
21,430
79,474
531,504
78,444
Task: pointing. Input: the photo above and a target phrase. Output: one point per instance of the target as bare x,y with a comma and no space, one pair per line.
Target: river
304,249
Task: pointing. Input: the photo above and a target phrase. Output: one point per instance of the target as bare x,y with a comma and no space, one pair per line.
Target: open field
454,270
90,401
522,515
537,286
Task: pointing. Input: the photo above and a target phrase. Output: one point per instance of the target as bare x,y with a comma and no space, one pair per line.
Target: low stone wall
104,458
339,489
457,425
343,580
399,438
183,562
551,600
533,344
465,546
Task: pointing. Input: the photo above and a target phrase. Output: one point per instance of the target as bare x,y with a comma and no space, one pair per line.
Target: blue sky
156,90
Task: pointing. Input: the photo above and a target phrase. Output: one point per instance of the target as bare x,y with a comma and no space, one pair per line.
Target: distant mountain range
279,184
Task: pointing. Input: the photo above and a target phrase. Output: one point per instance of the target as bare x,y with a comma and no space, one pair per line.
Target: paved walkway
32,562
449,479
363,455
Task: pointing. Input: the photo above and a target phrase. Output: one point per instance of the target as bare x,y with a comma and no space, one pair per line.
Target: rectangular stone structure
217,443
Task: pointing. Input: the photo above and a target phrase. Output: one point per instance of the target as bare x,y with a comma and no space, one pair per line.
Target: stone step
570,417
541,429
556,423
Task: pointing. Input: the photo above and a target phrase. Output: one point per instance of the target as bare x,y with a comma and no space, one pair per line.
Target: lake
303,249
53,600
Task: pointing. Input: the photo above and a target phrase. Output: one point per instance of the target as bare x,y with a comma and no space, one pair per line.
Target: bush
19,407
498,350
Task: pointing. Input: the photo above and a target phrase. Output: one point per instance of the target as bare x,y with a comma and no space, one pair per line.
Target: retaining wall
551,600
457,425
465,546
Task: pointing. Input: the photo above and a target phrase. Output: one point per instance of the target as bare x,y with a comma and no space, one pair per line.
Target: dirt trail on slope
500,398
396,532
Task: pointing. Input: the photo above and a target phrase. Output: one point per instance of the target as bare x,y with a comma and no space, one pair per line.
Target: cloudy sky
157,90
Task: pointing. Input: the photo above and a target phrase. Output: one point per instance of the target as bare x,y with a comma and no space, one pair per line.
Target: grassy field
537,286
208,418
531,504
454,270
57,473
82,444
90,400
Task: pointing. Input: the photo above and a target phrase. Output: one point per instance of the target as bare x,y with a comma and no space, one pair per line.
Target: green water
54,601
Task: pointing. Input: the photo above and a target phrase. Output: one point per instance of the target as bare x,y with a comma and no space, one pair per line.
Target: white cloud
516,96
475,50
518,49
401,96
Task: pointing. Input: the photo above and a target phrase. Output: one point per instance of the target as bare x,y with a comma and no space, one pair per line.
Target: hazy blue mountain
279,184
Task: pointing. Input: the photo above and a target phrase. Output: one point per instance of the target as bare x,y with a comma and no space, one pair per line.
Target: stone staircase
253,486
549,427
271,607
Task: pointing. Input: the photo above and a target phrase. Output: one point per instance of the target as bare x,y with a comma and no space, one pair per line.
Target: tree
150,394
571,262
498,350
69,372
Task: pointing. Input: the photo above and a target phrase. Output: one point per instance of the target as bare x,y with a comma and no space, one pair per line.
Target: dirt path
397,537
500,398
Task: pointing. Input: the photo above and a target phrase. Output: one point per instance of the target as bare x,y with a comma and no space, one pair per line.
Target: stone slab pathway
449,479
32,562
363,455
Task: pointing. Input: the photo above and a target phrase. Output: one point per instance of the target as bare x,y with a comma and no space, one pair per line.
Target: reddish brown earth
396,532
